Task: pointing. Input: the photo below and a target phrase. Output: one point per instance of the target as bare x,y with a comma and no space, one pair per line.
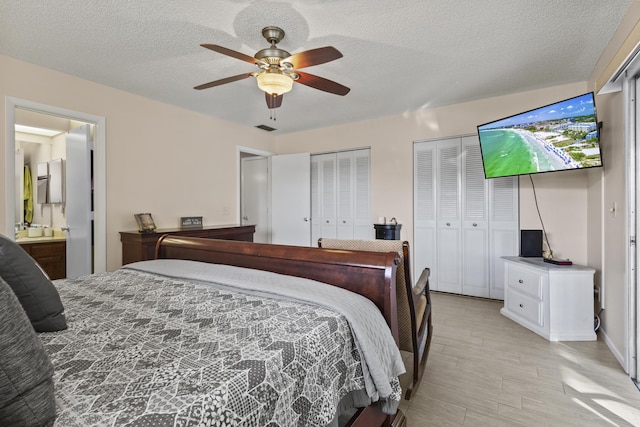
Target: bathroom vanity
49,252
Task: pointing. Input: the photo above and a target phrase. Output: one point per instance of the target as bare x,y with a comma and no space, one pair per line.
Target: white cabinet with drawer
553,301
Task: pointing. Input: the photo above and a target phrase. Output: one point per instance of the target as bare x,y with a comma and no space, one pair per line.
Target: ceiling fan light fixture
274,83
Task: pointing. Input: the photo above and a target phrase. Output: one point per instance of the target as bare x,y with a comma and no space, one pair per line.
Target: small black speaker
530,243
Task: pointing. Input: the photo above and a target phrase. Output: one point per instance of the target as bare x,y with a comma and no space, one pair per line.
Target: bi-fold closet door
463,223
340,195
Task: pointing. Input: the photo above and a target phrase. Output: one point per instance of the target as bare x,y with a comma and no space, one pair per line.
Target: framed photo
191,222
145,223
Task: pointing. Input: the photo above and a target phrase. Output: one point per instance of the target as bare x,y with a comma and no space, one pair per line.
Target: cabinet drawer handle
448,224
475,225
521,305
327,221
520,281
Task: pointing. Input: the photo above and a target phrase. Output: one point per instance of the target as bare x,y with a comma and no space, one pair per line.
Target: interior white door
254,202
449,233
352,195
362,226
327,169
345,193
475,224
78,202
424,210
291,199
505,228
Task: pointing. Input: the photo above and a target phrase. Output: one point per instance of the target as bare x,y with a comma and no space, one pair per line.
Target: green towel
28,196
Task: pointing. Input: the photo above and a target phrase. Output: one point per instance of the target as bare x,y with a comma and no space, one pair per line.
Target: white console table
553,301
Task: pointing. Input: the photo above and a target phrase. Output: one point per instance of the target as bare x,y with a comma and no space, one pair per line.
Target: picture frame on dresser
191,222
145,222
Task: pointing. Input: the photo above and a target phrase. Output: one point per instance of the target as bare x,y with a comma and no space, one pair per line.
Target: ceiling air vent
265,127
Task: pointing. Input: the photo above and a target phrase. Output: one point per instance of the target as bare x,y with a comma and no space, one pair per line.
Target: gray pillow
36,293
26,373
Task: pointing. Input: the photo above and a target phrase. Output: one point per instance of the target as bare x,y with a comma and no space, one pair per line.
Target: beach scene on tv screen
556,137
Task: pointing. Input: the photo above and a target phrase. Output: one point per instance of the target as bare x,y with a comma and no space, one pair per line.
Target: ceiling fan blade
273,100
321,83
223,81
313,57
234,54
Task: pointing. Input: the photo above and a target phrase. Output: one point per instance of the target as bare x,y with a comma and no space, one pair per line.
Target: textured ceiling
399,56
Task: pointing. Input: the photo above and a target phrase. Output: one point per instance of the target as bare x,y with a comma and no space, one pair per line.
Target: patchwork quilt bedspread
144,349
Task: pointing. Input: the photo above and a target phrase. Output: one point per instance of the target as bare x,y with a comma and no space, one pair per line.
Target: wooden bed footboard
371,274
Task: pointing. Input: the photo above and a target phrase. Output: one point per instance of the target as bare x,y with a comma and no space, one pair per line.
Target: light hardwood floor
486,370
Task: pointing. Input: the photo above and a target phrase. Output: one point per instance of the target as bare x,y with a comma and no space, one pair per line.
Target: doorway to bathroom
83,175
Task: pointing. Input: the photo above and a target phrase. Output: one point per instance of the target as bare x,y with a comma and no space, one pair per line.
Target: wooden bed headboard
371,274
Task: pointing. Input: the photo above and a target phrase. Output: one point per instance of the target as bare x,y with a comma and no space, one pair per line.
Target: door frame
631,132
99,168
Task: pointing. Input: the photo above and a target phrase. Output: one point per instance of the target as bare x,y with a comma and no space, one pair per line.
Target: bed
221,333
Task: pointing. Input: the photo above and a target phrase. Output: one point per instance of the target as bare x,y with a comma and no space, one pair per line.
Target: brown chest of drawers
138,246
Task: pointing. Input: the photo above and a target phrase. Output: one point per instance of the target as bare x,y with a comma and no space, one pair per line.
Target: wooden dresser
555,302
138,246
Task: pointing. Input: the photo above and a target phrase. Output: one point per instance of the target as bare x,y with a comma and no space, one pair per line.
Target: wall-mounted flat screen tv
556,137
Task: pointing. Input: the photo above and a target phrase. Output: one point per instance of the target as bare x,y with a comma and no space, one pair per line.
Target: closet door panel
340,195
463,223
449,236
475,238
316,191
424,210
345,195
505,236
328,195
362,224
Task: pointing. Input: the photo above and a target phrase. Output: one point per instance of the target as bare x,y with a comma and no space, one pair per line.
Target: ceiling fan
278,69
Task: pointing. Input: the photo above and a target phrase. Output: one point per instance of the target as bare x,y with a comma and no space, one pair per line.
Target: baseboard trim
622,360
